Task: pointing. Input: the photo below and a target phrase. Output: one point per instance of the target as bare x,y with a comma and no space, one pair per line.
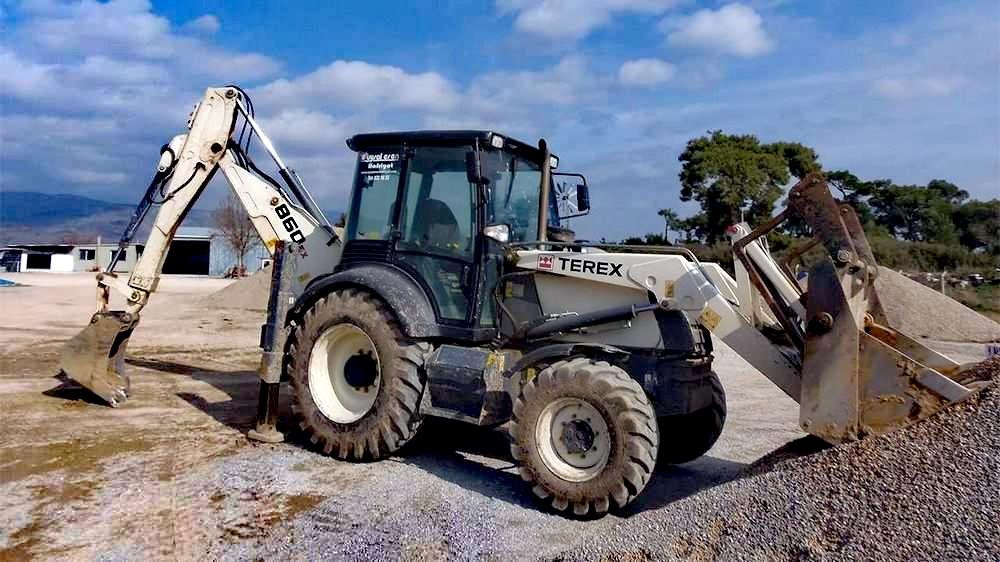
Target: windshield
513,185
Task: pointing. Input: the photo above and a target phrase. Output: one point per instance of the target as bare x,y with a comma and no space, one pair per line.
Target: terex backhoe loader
451,291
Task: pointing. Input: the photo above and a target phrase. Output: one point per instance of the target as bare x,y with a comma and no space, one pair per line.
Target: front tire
585,434
356,380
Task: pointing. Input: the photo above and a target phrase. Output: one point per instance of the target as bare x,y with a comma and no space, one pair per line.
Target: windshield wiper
510,185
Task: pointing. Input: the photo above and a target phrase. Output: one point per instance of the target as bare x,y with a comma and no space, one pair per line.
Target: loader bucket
95,358
859,375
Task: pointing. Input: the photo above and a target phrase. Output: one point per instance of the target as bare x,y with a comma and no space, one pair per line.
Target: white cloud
207,24
103,70
23,79
102,85
91,177
361,84
645,72
574,19
563,83
108,28
127,29
915,87
734,29
307,130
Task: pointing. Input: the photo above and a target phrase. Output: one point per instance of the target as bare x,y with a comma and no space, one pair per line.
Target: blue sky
903,90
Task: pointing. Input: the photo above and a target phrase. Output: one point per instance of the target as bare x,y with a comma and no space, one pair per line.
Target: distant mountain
28,217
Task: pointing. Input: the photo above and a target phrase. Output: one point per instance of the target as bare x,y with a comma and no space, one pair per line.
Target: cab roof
416,138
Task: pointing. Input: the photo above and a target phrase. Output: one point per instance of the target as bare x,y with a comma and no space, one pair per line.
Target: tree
736,177
979,225
671,222
237,230
918,213
856,192
693,228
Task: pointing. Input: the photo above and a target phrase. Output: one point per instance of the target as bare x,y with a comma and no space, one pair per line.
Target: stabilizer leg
272,341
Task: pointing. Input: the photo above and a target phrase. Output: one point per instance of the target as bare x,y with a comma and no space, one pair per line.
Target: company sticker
545,261
379,166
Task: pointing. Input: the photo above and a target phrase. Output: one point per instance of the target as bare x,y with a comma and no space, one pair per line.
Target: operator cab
422,201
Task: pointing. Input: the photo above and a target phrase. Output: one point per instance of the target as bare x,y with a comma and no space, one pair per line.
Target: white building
66,257
194,251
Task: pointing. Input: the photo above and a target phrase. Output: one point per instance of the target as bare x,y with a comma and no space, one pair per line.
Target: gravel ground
918,310
170,475
926,492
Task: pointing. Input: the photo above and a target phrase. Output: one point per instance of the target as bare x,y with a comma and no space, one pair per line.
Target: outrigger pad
95,357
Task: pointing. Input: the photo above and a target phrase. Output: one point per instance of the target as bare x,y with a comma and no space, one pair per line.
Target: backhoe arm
95,357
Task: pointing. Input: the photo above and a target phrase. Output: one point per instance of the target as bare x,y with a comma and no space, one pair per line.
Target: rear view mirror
583,198
498,232
572,195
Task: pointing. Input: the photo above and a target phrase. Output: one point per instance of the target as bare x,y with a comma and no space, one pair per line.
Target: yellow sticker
495,358
668,289
508,289
709,318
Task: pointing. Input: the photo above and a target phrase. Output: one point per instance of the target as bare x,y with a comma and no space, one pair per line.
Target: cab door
437,234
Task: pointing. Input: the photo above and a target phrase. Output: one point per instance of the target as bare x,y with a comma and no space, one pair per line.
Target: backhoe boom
95,357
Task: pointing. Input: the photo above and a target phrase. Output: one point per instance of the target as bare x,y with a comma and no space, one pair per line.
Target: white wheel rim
335,397
573,439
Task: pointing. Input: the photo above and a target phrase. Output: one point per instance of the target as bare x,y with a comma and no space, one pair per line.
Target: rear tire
686,437
586,437
356,380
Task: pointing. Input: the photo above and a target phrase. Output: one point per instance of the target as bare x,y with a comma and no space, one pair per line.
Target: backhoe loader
453,290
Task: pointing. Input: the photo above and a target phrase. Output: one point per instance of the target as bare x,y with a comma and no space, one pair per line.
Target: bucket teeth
95,358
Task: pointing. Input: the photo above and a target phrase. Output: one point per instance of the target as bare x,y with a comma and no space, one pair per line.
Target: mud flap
95,358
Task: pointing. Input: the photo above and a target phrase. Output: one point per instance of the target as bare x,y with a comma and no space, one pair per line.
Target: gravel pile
249,293
918,310
926,492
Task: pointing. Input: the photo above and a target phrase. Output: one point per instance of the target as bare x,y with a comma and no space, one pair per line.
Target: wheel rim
344,373
573,439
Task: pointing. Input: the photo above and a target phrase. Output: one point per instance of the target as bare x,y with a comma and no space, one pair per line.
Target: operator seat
436,226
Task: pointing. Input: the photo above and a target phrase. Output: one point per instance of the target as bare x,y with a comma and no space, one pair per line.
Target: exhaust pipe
95,358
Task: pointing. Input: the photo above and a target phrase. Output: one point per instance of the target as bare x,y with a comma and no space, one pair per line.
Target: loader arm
829,348
95,357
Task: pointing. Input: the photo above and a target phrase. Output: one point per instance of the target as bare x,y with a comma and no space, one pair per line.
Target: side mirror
583,198
497,232
572,195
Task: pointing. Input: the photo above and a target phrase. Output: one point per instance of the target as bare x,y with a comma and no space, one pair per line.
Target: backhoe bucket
95,358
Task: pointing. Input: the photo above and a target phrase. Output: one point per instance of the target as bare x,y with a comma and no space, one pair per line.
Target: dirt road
171,475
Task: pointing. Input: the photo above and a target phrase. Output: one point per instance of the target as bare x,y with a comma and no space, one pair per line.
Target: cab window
513,185
438,214
375,187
